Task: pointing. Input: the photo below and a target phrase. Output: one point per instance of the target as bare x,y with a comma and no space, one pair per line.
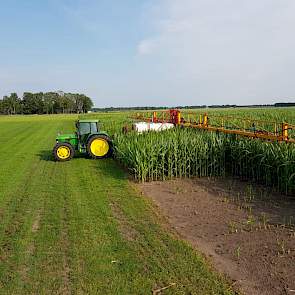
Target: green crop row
188,152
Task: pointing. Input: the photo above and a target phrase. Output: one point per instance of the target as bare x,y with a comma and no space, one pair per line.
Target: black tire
103,137
56,153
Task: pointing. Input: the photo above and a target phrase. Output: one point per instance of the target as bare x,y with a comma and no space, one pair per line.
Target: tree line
224,106
45,103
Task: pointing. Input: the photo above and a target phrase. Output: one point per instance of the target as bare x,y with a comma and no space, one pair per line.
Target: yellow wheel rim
99,147
63,152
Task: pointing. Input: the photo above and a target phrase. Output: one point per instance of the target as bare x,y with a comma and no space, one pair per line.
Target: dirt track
247,233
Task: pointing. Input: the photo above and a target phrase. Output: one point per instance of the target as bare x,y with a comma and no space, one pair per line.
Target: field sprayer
87,139
267,130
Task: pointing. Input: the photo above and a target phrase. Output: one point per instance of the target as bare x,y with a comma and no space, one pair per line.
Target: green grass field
80,227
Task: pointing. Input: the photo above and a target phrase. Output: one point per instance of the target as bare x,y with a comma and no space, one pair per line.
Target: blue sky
150,52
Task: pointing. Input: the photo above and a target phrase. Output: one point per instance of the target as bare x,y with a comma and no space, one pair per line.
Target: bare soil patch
31,247
36,223
246,231
126,230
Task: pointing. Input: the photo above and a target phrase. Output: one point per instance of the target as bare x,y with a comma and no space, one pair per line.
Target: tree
45,103
49,100
10,105
14,103
69,103
87,103
33,103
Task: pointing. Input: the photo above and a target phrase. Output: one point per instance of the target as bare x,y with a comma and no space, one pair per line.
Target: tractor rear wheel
99,147
63,151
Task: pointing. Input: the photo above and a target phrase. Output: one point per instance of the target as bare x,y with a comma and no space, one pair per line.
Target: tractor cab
88,139
87,126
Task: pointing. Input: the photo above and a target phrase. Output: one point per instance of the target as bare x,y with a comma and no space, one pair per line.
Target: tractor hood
66,137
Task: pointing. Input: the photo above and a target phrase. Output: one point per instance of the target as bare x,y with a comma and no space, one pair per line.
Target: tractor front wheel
99,147
63,152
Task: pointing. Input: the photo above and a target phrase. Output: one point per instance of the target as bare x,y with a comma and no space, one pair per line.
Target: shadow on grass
110,169
46,155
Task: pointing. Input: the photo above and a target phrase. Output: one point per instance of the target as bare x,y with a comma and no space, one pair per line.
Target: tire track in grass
50,267
92,231
66,289
13,195
30,249
16,217
103,261
45,259
87,229
53,255
22,206
15,222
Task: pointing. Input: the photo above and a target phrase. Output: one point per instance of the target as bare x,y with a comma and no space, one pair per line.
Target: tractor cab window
93,127
87,128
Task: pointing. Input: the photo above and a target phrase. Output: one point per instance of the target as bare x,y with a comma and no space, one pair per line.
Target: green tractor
88,139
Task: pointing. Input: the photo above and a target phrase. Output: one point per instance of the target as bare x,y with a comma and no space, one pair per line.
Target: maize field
188,152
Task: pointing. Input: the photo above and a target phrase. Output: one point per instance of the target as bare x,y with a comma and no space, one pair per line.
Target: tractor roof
88,121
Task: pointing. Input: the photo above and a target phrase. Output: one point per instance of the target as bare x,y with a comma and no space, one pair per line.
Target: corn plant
187,152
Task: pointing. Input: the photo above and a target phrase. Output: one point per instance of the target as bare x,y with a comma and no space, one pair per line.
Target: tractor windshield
87,128
93,128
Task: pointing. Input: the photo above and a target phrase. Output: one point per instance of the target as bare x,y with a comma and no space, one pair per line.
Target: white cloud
231,50
176,26
166,27
147,46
